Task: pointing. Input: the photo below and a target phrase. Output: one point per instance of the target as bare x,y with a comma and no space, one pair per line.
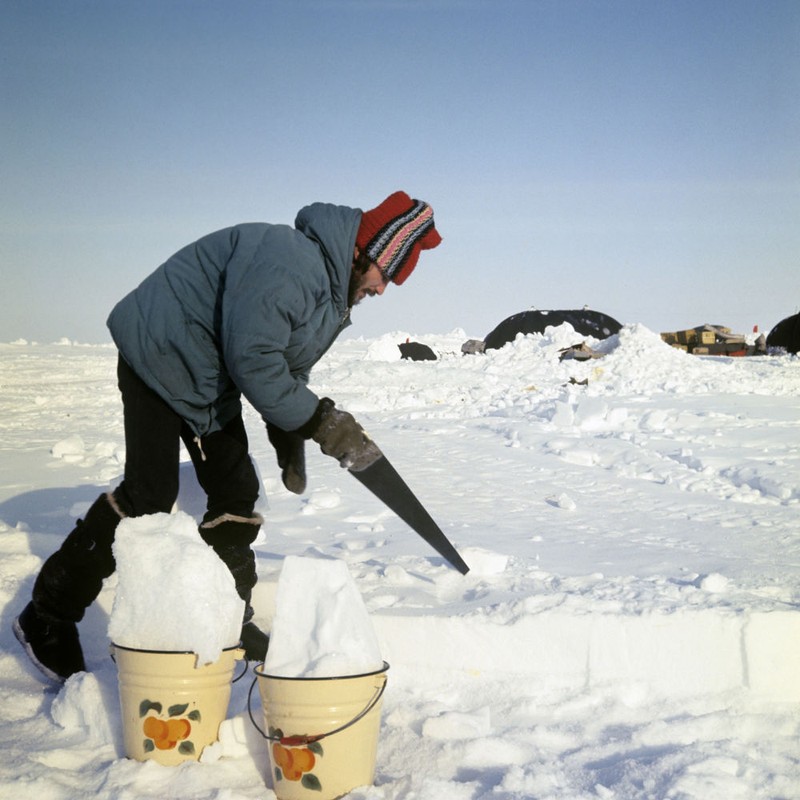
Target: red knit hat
393,234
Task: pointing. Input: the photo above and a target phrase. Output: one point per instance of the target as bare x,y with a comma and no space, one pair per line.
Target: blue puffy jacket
247,310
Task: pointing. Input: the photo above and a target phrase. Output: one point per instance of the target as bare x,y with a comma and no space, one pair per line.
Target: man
246,311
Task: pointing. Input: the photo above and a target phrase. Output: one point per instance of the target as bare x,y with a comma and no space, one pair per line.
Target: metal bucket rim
169,652
261,674
308,738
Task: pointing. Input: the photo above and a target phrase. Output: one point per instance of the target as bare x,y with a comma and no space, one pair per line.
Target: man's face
366,284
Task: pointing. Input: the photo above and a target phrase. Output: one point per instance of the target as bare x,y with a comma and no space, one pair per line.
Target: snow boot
230,537
68,582
52,645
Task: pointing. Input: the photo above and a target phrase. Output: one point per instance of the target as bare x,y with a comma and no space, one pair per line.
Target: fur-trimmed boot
69,581
230,537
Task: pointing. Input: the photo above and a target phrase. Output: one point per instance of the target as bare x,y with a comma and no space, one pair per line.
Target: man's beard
360,267
353,288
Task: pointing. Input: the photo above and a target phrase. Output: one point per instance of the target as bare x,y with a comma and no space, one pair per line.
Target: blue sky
642,158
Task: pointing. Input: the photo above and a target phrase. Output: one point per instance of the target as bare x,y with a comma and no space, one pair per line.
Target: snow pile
80,705
173,592
321,628
384,349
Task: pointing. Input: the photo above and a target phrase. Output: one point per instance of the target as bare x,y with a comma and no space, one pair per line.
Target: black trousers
153,433
71,578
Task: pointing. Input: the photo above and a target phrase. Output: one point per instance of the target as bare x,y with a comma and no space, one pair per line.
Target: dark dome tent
585,322
786,334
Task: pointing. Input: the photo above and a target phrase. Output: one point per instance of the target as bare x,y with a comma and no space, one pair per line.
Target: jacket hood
334,229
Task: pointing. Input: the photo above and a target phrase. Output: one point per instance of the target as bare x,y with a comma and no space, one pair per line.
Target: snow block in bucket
323,732
171,708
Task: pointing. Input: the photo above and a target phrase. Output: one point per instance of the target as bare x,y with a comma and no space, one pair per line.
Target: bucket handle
304,739
243,672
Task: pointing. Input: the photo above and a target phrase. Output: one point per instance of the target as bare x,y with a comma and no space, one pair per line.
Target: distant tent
786,334
416,351
585,322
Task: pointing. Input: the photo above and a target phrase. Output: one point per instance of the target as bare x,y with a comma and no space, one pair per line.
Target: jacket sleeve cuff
308,429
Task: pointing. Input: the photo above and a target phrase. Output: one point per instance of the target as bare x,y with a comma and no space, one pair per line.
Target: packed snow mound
173,592
321,628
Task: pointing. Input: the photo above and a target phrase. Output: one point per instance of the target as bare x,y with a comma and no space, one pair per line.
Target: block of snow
173,592
80,705
321,627
384,349
231,740
484,562
70,448
714,583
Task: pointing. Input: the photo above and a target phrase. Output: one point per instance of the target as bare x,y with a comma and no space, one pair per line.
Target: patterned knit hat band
393,234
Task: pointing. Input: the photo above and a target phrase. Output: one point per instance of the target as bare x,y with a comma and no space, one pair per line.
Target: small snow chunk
397,576
563,501
80,705
384,349
321,627
105,450
323,499
69,448
604,791
580,456
231,740
714,583
173,592
453,725
484,562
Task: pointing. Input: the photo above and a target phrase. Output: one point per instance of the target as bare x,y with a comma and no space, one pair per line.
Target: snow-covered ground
630,624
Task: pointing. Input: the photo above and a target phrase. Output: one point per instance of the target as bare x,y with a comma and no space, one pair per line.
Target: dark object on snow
713,340
416,351
786,334
472,346
578,352
52,645
584,321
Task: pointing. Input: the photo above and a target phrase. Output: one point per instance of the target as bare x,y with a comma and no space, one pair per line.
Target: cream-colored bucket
322,732
171,708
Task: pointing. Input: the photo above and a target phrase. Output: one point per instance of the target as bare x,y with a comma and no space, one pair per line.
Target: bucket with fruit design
322,732
171,707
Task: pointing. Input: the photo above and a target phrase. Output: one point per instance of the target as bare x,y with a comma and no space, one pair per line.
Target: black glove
290,450
340,436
